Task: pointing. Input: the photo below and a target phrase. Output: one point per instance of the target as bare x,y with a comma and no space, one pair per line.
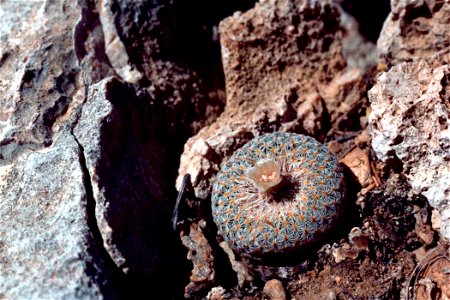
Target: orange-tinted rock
284,71
357,160
414,29
200,253
274,290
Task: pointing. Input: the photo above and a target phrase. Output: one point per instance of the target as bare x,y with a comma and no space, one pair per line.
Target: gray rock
410,120
358,52
114,47
37,89
52,244
49,244
410,117
127,165
162,50
47,248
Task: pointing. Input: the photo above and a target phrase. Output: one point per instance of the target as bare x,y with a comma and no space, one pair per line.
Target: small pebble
274,290
216,293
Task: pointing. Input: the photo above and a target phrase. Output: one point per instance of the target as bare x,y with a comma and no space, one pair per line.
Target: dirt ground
394,232
384,248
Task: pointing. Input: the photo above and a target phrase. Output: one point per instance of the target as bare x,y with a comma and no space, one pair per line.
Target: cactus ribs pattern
306,204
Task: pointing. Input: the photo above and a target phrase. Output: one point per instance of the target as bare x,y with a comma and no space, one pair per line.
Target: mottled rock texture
410,121
48,246
35,54
274,290
201,255
410,102
97,99
49,243
414,29
284,70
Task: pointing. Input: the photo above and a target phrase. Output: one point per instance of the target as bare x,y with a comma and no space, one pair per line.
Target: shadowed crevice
102,268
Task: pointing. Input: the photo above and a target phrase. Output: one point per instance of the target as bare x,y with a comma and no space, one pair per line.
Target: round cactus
277,193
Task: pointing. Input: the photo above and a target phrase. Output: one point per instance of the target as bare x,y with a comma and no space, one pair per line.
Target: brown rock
357,160
415,29
285,71
276,61
216,293
359,242
363,139
274,290
432,281
200,253
345,251
358,239
422,226
435,220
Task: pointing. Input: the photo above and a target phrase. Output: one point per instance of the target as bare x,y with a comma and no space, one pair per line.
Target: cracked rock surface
124,161
410,102
47,246
104,103
91,117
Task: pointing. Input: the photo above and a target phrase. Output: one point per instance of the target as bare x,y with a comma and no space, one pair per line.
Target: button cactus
277,193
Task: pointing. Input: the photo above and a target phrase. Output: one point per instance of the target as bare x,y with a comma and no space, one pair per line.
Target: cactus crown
296,171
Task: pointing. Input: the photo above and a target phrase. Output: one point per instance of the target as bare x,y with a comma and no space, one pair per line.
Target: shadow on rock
128,150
